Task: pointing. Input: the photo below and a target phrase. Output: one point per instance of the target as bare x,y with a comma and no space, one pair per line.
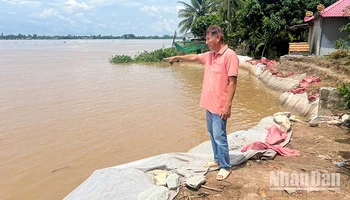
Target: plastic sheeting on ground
128,180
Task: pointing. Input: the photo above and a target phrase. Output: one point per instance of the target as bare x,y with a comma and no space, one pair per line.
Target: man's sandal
212,165
223,174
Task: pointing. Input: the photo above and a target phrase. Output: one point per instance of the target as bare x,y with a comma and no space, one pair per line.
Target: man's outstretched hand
171,60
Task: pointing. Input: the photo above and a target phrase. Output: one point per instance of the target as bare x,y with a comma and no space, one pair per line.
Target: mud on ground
331,72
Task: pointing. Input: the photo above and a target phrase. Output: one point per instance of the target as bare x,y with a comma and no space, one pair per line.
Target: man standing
219,86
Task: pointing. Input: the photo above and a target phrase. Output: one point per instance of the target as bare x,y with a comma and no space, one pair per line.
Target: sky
89,17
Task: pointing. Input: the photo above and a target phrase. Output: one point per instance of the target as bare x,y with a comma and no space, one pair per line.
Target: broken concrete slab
283,120
324,120
185,172
195,181
345,117
173,181
159,176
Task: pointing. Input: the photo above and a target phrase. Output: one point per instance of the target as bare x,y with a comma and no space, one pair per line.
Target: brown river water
65,111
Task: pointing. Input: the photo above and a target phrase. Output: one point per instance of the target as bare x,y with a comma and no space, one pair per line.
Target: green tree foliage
344,43
191,12
222,6
265,24
346,27
265,27
228,10
344,90
200,26
311,5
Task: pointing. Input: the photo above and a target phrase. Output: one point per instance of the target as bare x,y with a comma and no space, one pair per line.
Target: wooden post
172,45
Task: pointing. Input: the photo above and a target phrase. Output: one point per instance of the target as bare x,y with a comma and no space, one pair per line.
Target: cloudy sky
89,17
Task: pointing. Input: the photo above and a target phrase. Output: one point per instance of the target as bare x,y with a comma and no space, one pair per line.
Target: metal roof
337,9
334,10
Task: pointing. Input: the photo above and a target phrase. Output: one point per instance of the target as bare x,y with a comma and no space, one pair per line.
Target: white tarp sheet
126,181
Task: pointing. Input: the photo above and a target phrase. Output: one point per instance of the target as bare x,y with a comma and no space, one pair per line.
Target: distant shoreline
93,37
98,39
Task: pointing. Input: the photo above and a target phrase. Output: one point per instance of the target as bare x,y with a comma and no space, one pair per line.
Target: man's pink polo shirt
218,67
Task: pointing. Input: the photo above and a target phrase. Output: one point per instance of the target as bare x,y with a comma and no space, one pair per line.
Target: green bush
341,44
120,59
344,90
342,53
152,56
156,55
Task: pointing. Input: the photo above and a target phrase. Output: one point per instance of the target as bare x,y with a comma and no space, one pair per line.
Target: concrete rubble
282,118
195,181
159,177
173,181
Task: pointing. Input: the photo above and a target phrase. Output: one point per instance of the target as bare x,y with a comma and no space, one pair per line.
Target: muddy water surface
66,111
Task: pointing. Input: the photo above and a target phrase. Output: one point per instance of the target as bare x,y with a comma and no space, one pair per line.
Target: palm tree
192,12
228,9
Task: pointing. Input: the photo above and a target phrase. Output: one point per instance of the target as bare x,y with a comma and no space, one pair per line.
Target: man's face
211,40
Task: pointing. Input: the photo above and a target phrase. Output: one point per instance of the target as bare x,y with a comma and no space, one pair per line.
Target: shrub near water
155,56
152,56
120,59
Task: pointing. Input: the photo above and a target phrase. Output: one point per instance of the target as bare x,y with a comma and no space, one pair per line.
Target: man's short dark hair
214,31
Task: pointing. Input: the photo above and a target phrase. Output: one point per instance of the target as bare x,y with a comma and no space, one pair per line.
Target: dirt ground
320,148
331,72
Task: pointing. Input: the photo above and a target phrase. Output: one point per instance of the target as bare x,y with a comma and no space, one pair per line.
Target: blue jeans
217,131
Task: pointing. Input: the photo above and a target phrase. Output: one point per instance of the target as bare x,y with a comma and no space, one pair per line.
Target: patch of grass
345,61
342,53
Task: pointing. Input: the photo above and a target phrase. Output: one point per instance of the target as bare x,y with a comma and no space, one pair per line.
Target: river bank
320,148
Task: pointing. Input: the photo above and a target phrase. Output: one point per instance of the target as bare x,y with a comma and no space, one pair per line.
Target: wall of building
312,46
314,36
331,33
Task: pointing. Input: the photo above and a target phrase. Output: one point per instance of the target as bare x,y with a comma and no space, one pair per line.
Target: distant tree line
58,37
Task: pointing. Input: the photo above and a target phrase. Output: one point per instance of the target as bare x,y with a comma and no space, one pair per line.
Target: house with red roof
324,27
